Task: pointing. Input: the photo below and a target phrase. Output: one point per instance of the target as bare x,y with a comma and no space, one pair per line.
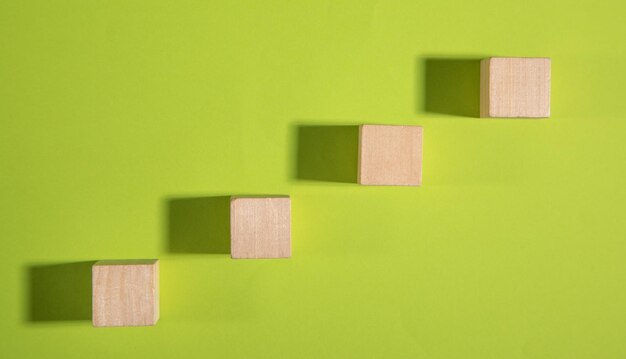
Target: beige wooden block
260,227
515,87
125,293
390,155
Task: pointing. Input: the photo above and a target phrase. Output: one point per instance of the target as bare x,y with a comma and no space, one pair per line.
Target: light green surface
514,247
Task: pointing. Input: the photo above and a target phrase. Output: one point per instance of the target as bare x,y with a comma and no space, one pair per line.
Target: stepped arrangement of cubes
126,292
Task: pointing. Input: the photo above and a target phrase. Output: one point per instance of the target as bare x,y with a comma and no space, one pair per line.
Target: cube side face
260,227
390,155
519,87
125,295
157,294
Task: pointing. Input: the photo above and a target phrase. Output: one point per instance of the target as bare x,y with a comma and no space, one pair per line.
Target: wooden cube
125,293
515,87
260,227
390,155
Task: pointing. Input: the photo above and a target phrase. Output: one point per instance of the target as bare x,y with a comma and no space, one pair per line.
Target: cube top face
390,155
515,87
125,293
129,262
260,227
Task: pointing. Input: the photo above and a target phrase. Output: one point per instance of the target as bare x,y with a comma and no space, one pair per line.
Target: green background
124,124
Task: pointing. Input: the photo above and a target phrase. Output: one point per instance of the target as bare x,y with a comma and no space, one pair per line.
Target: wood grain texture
515,87
390,155
260,227
125,293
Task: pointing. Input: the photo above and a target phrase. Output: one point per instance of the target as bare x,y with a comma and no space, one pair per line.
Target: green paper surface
125,126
